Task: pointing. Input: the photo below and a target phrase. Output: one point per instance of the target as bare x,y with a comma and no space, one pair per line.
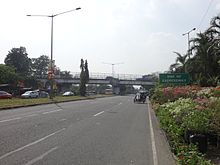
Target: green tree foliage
40,65
203,67
18,58
86,72
82,87
8,75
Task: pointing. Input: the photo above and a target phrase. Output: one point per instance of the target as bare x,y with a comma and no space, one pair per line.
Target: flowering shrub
216,91
188,109
197,121
179,108
162,95
205,92
188,154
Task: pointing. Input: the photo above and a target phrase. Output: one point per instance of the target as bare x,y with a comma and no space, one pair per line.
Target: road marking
52,111
99,113
17,118
30,144
155,160
40,157
31,115
62,120
119,103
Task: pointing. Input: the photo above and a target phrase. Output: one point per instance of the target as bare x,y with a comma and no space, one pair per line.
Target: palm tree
181,60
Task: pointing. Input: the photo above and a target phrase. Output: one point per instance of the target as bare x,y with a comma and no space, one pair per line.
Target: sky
138,36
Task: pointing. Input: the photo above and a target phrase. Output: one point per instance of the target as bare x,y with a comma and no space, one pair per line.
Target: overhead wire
206,12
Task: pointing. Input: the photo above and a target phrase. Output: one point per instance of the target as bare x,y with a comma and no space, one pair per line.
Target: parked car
43,94
5,95
68,93
30,94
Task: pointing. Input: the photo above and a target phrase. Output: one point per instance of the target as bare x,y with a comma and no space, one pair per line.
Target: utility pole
188,40
113,64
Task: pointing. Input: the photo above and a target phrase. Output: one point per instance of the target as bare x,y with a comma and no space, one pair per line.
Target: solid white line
155,160
99,113
40,157
17,118
30,144
52,111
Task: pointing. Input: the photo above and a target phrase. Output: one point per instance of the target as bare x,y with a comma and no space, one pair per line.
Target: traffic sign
174,78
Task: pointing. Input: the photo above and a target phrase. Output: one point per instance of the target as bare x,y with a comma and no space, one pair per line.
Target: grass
15,102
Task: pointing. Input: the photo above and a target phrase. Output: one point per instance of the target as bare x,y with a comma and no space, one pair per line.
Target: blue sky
141,34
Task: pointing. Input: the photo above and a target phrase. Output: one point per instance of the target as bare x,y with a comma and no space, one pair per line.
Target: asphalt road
106,131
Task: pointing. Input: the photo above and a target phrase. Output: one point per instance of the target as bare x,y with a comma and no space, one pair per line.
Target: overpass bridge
99,78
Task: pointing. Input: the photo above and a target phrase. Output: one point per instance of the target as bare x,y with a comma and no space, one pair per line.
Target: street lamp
112,64
51,53
188,39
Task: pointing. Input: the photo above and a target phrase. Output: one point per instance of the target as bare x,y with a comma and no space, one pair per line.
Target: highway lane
112,131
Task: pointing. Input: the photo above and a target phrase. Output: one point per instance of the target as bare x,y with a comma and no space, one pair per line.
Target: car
5,95
30,94
43,94
68,93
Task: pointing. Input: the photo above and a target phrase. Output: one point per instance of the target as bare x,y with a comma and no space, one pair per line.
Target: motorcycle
140,98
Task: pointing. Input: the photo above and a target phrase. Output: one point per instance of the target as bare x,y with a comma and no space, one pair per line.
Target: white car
69,93
30,94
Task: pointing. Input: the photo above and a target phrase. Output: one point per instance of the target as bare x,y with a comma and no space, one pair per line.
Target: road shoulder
164,155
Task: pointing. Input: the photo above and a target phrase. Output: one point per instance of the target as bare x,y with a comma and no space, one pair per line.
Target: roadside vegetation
190,115
17,102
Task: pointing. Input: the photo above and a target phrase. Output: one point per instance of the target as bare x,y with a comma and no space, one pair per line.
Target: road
105,131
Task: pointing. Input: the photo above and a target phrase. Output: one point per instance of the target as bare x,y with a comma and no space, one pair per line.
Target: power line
206,12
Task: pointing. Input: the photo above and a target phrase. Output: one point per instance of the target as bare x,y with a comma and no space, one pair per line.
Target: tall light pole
188,39
51,73
112,64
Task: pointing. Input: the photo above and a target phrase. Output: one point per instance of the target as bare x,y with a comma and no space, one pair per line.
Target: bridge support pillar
116,90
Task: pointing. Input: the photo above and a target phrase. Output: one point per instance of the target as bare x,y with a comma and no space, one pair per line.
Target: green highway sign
174,78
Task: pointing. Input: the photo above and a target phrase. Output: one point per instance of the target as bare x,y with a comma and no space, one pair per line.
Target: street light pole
188,39
113,64
51,50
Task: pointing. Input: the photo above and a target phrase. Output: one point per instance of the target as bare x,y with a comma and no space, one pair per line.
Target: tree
82,87
86,72
18,58
40,65
8,75
206,58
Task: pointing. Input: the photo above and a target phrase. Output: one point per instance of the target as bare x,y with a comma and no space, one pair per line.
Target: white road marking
52,111
30,144
40,157
17,118
31,115
155,160
62,120
99,113
119,103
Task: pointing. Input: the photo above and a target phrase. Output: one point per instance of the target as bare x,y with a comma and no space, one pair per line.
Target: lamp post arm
67,11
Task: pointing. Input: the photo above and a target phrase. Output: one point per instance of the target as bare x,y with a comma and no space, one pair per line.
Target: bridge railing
76,75
106,75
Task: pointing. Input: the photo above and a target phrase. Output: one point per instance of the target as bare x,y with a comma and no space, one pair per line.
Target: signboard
174,78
